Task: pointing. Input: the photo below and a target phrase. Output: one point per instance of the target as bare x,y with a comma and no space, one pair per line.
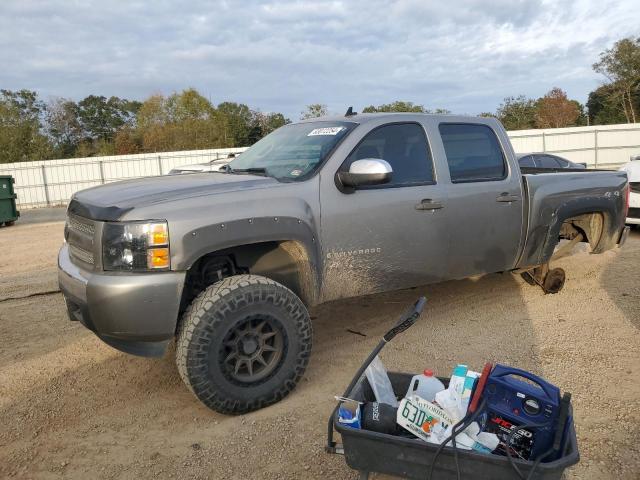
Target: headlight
135,246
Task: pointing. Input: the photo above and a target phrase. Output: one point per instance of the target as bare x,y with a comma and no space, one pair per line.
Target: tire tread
192,332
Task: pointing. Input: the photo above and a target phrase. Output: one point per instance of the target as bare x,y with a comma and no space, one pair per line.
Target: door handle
505,197
428,204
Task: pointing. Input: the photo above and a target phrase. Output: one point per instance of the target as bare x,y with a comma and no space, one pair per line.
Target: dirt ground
72,407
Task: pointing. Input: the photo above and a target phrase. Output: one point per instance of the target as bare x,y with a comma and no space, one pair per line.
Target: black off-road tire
221,310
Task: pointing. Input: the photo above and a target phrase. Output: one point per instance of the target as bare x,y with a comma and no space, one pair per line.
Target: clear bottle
425,386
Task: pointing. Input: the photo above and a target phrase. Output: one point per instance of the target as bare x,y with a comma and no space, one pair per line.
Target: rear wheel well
590,225
286,262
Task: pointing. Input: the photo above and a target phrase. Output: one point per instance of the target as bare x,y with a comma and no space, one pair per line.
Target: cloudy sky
279,56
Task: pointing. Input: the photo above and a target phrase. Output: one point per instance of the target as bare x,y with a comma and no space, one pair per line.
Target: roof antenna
350,112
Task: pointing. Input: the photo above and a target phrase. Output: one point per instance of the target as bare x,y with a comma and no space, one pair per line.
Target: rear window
473,153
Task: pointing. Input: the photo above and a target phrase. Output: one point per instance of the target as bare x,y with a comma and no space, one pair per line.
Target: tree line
32,129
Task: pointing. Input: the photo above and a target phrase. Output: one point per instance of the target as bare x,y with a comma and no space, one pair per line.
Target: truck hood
112,201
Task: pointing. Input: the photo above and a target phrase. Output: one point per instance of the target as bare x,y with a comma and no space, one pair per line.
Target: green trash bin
8,211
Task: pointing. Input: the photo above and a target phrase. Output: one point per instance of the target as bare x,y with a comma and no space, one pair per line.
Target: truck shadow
621,279
468,321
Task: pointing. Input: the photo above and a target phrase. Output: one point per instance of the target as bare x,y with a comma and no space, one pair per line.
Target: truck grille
81,254
79,226
80,235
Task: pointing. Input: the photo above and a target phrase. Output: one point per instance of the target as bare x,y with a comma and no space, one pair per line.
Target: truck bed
555,195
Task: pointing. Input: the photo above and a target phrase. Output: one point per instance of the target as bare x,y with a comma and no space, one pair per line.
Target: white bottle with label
425,386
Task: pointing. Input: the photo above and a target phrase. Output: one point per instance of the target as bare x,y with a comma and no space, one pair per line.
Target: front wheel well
286,262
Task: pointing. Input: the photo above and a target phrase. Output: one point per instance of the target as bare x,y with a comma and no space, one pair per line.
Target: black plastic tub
368,451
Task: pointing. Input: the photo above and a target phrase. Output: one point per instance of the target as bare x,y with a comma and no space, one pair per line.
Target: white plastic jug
425,386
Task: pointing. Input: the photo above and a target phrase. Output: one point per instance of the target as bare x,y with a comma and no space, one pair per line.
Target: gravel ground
72,407
42,215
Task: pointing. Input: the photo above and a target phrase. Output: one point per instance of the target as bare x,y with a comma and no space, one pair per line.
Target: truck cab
450,176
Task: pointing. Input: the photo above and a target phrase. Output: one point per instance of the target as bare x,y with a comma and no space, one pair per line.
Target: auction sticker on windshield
324,131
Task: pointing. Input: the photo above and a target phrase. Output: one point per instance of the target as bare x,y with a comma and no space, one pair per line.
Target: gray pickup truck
229,262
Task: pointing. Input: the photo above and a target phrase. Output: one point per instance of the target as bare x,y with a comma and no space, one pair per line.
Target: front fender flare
222,236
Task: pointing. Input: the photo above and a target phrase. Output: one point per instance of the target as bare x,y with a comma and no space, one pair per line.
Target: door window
405,147
547,161
473,153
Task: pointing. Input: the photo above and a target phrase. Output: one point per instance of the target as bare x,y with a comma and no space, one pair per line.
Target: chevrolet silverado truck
228,263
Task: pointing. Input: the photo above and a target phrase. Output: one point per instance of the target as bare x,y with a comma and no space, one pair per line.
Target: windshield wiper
253,170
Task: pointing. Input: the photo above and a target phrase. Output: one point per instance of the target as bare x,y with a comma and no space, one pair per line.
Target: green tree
272,121
98,125
401,106
63,126
150,123
517,113
314,110
152,112
237,118
263,124
621,66
604,108
101,117
21,136
397,106
182,121
188,105
439,111
583,116
194,122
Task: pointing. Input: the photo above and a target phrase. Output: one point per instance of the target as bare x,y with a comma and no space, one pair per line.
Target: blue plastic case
516,398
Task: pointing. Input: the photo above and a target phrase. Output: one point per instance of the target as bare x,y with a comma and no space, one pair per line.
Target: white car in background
211,166
633,173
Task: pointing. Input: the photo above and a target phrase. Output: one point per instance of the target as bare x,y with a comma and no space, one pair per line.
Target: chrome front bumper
135,313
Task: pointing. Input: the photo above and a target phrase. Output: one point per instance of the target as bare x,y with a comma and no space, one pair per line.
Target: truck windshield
292,152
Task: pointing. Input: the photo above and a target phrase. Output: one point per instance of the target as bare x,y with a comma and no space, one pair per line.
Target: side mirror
368,171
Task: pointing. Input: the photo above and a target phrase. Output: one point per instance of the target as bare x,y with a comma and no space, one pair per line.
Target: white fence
602,146
52,182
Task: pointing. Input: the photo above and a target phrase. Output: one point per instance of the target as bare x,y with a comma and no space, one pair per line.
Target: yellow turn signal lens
157,258
158,234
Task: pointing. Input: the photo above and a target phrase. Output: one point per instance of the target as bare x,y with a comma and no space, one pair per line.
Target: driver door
388,236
